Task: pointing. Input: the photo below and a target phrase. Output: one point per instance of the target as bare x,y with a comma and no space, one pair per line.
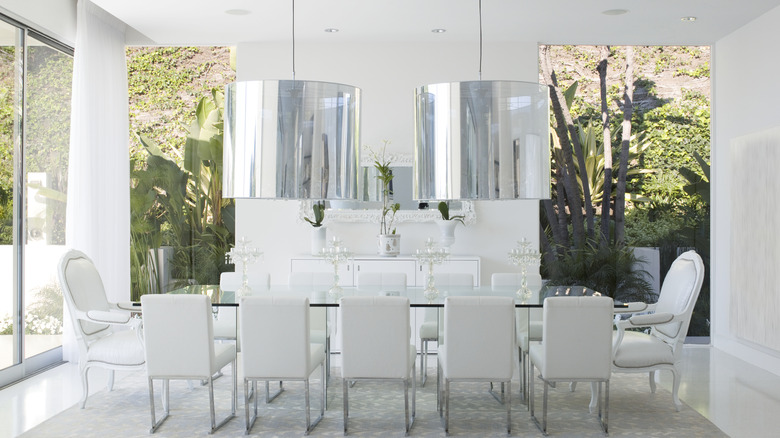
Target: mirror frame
402,216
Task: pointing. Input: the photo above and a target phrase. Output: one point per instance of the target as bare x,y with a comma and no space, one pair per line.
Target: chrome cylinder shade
287,139
481,140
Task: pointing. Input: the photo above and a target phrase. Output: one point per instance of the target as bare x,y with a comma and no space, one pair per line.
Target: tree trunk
607,138
628,108
563,118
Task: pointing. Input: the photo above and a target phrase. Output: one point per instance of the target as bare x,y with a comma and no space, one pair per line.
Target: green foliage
319,214
702,71
610,270
43,316
444,210
384,176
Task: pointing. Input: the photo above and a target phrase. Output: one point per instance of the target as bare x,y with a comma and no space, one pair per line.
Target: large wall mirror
369,209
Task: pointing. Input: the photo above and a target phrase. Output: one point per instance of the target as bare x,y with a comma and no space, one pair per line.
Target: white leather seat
375,346
322,328
225,322
661,349
577,346
432,328
480,344
528,322
100,326
275,345
180,344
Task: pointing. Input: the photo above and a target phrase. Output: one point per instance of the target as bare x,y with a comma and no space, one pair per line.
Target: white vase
389,245
318,238
446,232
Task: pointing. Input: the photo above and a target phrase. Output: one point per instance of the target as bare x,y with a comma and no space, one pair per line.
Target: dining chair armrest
126,306
632,307
650,319
108,317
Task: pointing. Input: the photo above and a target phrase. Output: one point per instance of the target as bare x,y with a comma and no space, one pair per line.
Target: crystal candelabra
431,255
524,256
244,254
336,254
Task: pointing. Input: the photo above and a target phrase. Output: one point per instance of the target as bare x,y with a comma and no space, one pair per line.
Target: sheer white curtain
98,215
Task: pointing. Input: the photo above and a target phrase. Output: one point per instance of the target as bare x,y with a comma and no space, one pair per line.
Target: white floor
742,400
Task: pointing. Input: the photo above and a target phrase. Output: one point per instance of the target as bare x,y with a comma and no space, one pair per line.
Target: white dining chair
225,321
101,327
528,321
479,347
383,281
322,328
576,347
431,329
375,334
661,349
276,345
179,340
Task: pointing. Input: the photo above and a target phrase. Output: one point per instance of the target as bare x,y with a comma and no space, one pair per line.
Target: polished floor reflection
740,399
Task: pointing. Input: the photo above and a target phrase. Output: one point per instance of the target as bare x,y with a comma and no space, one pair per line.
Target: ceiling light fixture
238,12
481,139
689,19
439,30
291,139
331,30
615,12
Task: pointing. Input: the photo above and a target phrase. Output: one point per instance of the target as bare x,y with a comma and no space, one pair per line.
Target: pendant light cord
480,40
293,39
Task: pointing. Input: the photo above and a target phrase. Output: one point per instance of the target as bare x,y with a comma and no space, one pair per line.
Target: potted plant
318,232
447,225
389,241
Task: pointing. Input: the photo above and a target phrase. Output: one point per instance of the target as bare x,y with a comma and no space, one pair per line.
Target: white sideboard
407,264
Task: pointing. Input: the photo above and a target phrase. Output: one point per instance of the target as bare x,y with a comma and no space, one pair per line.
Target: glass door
35,88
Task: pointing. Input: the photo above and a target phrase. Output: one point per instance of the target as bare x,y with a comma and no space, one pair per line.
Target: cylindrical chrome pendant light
291,139
481,140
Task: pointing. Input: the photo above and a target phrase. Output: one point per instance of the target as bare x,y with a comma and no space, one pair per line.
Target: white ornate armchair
101,327
661,348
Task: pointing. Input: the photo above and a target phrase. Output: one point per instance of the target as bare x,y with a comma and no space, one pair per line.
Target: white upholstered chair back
83,290
178,336
375,335
394,280
446,279
310,279
577,333
231,281
480,337
679,293
275,337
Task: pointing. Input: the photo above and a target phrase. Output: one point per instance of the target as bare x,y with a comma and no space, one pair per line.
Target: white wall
387,74
56,18
745,66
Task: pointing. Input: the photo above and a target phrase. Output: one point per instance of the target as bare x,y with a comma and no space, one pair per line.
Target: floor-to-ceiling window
35,84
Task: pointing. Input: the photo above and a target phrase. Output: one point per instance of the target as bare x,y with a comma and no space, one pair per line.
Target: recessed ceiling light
439,30
331,30
238,12
615,12
688,18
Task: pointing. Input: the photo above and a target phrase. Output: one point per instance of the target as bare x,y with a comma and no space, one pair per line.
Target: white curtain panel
98,215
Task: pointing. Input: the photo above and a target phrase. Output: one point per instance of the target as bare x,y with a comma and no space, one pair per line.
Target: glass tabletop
319,297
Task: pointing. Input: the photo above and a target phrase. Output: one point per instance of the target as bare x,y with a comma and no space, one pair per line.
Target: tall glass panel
8,331
47,137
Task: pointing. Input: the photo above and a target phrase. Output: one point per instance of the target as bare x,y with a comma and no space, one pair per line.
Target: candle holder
431,255
244,254
335,254
522,256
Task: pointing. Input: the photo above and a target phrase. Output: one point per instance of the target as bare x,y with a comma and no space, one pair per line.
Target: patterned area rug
377,410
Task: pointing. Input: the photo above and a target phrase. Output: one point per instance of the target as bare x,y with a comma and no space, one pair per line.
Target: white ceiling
648,22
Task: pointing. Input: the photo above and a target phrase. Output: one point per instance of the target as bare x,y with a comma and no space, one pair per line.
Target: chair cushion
639,350
429,330
224,353
119,348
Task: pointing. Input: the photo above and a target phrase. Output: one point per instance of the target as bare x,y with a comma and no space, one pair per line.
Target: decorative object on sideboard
318,231
431,255
246,255
309,147
523,256
335,253
447,224
389,242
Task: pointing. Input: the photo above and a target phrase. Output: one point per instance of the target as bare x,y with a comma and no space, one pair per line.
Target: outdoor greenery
652,104
42,317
